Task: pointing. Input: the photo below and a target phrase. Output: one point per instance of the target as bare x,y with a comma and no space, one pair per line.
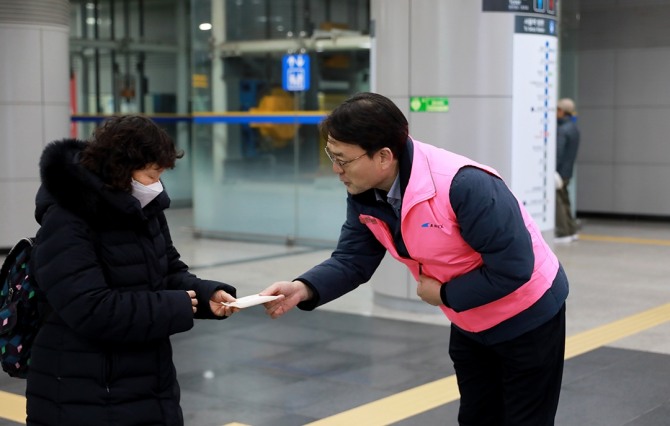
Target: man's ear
386,156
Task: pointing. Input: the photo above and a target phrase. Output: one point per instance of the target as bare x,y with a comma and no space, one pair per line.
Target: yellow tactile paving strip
624,240
422,398
12,407
431,395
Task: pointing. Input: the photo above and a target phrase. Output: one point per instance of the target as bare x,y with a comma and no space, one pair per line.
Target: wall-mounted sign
521,6
428,104
533,25
295,74
534,96
200,81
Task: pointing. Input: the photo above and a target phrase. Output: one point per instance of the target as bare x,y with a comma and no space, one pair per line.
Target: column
34,103
478,78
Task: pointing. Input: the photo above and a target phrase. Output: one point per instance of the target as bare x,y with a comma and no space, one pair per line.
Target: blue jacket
490,222
567,145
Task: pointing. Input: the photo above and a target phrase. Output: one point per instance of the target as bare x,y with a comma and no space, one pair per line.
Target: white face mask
146,193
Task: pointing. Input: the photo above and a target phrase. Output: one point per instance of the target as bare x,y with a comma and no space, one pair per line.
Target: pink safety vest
433,240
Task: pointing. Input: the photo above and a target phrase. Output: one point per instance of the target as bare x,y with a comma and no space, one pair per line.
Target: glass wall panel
260,172
131,56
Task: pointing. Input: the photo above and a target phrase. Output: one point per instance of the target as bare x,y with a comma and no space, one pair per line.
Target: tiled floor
307,367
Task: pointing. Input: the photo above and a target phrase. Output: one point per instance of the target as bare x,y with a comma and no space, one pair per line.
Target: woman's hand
217,307
194,301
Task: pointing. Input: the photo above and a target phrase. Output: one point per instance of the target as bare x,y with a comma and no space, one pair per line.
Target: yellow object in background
200,81
277,101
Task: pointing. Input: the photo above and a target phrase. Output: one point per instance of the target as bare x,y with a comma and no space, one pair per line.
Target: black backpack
20,317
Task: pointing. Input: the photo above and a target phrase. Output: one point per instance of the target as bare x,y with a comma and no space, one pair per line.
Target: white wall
34,105
624,108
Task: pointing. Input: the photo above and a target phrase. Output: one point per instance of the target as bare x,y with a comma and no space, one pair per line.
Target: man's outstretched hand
294,292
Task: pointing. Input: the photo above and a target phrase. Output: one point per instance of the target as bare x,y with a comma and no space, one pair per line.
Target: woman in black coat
115,285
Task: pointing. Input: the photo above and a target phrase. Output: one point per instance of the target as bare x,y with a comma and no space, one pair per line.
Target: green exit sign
428,104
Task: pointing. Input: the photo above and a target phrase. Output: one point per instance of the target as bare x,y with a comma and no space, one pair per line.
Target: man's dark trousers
513,383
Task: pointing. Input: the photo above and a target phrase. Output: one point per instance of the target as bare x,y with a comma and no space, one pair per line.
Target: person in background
472,248
114,283
567,145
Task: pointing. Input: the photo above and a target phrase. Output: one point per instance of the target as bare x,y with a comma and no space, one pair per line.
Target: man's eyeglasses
339,162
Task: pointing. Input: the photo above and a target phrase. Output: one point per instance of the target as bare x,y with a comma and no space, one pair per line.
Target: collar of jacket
66,183
404,170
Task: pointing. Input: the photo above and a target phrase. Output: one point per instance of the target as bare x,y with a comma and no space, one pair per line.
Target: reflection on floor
354,363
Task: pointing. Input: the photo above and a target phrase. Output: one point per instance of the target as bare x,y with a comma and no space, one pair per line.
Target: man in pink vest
471,246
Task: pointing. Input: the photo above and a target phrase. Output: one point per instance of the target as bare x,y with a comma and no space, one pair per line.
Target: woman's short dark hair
125,143
369,120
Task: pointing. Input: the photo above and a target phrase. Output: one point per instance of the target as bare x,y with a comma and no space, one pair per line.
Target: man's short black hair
369,120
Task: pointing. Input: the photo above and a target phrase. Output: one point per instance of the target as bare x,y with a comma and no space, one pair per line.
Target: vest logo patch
432,225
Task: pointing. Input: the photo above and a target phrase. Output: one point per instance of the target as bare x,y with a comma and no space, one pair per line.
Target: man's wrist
306,292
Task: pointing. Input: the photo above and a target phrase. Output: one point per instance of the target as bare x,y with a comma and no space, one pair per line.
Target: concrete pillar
478,78
34,103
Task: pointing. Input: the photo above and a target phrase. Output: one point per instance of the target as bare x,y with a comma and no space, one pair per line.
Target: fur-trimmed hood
67,183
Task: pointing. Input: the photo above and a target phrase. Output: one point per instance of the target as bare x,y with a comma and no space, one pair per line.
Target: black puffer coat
116,286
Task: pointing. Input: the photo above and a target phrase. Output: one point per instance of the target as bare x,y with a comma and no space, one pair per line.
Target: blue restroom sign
295,74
